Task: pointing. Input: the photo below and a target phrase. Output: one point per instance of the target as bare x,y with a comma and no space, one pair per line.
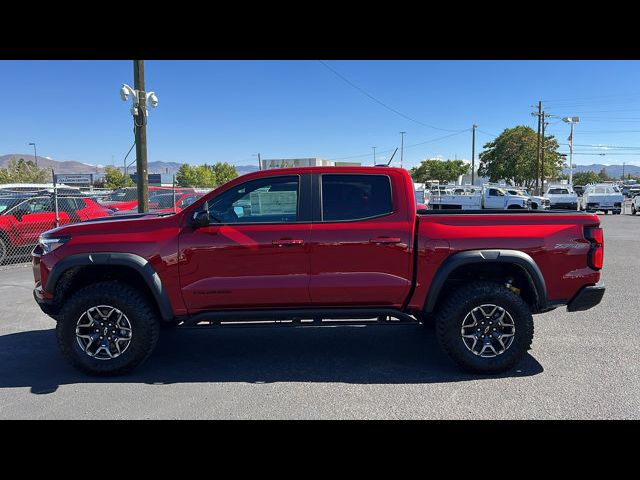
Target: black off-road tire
145,327
452,312
633,209
426,320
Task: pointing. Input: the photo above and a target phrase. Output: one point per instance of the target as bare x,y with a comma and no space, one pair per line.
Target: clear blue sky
228,110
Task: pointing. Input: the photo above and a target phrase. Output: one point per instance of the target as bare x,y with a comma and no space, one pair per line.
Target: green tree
442,170
224,172
114,178
584,178
602,176
21,171
512,156
205,176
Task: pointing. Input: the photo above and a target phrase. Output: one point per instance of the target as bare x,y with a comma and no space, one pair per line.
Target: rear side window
355,197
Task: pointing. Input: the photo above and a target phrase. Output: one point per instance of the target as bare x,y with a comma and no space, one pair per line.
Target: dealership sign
74,179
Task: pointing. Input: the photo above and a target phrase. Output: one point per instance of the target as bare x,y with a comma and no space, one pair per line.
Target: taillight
595,256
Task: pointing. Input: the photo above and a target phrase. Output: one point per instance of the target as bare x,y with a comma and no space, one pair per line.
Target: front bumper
586,298
47,305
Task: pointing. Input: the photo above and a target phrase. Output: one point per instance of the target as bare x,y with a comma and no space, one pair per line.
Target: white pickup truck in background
604,197
489,197
635,204
537,203
562,196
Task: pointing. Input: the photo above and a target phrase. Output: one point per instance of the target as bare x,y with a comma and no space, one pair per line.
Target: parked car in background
22,220
562,196
127,198
164,203
635,204
633,191
603,197
490,197
537,203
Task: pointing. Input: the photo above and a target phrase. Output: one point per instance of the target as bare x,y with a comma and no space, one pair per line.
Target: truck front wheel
484,327
107,329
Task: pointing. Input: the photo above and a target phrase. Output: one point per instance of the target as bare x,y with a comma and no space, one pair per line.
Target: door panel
363,262
258,255
240,266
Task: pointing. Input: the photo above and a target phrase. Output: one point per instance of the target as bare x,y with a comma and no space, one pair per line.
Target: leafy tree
114,178
223,172
205,176
442,170
21,171
512,156
602,176
583,178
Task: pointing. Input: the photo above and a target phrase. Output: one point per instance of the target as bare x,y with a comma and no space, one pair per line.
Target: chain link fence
26,211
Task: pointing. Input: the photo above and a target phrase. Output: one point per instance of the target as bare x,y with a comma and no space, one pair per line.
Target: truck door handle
385,240
284,242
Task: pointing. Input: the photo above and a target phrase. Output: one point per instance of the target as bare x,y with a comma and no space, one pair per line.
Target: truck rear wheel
107,329
484,327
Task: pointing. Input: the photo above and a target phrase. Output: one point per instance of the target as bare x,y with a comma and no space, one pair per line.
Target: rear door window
355,197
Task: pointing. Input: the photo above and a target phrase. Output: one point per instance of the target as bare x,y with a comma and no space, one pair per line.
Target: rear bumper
568,206
586,298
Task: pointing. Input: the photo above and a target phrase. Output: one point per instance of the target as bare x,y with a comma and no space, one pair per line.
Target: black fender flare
138,263
514,257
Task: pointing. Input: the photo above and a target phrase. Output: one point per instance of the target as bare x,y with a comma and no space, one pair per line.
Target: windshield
558,191
8,203
122,195
162,201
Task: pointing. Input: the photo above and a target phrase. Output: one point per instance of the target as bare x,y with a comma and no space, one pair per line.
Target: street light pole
374,156
402,148
571,121
35,153
473,155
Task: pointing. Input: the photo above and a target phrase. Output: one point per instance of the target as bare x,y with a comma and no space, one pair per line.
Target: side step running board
314,317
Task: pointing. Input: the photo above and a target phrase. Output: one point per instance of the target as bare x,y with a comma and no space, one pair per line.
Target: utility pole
35,153
473,155
542,153
140,122
622,169
374,156
259,162
571,157
402,148
538,149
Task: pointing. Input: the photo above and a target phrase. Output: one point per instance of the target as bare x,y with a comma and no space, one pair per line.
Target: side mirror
200,219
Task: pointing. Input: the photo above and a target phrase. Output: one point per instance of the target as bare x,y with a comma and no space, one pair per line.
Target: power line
379,102
487,133
406,146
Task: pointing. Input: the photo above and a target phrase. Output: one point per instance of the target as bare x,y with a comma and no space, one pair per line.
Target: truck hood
120,224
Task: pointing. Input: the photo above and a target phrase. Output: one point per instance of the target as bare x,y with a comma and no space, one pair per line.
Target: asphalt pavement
583,365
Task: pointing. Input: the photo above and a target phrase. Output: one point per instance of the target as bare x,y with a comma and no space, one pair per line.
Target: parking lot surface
583,365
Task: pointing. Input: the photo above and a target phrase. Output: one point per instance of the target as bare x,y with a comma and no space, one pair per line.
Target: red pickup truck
315,246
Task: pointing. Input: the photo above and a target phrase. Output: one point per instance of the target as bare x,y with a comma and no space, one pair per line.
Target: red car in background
164,203
22,220
127,198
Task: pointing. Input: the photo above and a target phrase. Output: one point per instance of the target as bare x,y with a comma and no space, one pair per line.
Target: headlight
50,244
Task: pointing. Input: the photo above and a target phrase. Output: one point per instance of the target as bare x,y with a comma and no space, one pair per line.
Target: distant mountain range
71,166
170,168
614,171
68,166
